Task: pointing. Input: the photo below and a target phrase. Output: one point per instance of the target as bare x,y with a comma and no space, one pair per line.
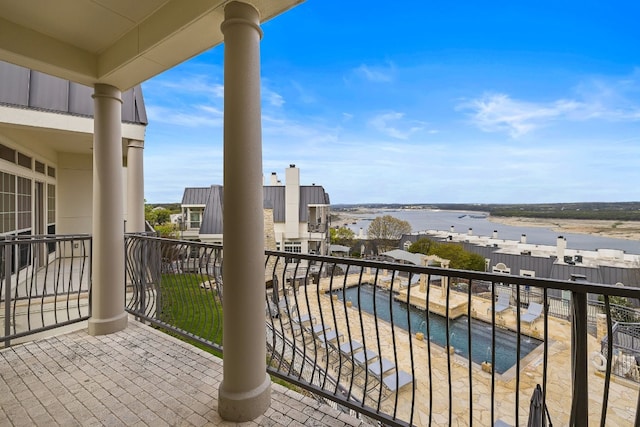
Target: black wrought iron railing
176,285
625,349
45,283
404,344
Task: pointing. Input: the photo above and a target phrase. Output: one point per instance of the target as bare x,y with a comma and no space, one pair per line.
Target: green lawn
196,310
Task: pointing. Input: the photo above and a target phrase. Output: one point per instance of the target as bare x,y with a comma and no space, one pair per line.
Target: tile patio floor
136,377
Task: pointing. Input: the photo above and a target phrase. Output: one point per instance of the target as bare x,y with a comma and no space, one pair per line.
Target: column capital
101,90
135,143
237,13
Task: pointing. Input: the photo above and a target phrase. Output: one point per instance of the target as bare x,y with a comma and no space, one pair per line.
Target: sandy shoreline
617,229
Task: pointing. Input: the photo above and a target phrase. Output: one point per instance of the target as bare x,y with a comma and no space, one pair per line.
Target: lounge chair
387,374
532,314
397,380
362,357
327,336
503,303
300,323
381,367
316,329
348,348
344,353
303,319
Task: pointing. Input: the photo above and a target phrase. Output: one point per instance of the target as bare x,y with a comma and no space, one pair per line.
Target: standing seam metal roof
273,198
25,88
196,195
212,218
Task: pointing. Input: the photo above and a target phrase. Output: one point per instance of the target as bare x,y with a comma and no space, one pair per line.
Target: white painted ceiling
118,42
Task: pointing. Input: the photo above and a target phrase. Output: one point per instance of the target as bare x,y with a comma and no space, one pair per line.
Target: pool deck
453,307
623,394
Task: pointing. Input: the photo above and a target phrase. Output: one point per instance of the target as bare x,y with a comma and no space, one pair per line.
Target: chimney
274,179
292,201
452,229
523,238
561,245
495,234
470,231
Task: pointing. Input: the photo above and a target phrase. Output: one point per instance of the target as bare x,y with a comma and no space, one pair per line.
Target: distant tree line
608,215
614,211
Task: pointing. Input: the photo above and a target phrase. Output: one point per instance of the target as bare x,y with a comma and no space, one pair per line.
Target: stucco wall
75,187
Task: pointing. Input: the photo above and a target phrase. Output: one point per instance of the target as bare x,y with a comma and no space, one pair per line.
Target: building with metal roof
297,215
606,266
46,153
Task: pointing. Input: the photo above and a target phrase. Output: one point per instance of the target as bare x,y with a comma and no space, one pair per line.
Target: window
51,230
293,247
51,171
8,154
7,202
40,167
51,203
24,160
195,219
24,203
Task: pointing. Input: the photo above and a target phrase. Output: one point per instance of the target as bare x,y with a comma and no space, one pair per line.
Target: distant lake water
423,219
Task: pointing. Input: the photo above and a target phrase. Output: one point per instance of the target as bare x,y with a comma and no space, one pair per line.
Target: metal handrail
45,283
300,286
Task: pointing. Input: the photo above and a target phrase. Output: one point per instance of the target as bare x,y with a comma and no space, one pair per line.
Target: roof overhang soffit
108,41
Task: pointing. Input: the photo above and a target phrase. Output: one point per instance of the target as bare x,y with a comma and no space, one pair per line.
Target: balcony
350,339
316,227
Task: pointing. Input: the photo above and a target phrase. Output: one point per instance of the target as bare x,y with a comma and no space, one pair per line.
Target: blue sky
423,102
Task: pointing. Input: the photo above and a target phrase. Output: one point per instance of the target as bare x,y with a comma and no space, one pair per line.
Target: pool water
505,341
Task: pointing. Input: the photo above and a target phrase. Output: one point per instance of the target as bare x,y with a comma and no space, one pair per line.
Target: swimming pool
505,344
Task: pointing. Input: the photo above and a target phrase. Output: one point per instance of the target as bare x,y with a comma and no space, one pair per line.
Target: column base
108,326
246,406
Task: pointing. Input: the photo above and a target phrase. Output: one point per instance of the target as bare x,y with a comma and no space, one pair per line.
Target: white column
245,391
107,290
135,187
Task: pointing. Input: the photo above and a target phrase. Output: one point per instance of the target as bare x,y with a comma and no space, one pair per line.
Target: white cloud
376,74
498,113
273,98
198,115
199,85
304,94
595,99
390,124
293,133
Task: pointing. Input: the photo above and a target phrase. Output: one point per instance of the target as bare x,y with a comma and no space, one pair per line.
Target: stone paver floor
136,377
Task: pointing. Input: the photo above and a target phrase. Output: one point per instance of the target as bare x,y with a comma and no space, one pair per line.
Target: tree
388,228
169,231
459,258
422,246
342,236
163,215
157,216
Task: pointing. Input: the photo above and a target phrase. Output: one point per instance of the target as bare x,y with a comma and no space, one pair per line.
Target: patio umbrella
537,410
